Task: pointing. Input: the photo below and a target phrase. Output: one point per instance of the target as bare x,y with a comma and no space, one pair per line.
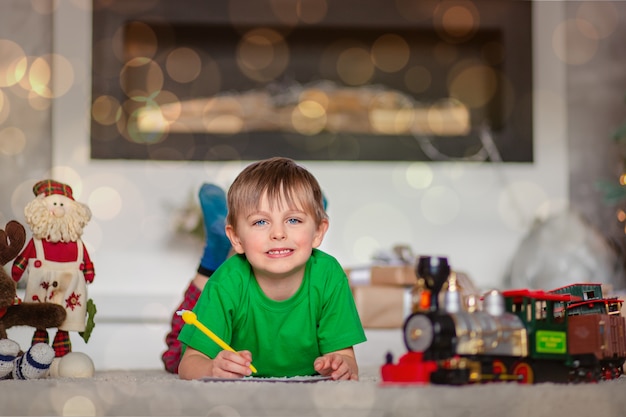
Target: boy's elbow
194,365
186,372
184,375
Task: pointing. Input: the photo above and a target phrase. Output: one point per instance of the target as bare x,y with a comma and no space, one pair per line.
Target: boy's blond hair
277,178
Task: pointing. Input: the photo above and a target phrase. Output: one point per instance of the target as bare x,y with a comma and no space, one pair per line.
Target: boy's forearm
195,365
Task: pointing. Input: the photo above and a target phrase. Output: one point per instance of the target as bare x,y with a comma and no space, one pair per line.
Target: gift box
358,275
396,275
382,307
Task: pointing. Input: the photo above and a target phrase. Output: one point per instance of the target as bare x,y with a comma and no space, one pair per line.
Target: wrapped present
358,275
397,275
382,307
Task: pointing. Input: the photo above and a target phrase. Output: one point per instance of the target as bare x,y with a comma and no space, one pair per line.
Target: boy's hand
338,365
232,365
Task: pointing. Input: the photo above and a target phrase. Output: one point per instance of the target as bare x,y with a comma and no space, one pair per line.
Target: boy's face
277,240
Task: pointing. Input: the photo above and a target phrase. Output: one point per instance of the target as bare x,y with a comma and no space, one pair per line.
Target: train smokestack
435,271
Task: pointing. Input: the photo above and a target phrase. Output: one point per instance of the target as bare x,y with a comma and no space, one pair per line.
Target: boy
279,301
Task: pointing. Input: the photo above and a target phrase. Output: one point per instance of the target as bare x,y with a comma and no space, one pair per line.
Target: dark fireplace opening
202,86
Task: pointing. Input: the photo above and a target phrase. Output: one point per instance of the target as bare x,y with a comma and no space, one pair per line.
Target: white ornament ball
54,368
76,365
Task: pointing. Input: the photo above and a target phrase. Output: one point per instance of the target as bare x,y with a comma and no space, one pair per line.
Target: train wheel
595,375
499,367
616,370
525,372
418,332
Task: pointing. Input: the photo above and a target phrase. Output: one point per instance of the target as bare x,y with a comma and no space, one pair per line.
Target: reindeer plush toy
37,360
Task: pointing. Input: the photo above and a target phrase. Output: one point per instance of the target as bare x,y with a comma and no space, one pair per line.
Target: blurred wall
596,106
25,116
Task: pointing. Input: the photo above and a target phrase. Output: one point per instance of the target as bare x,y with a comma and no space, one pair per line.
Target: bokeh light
473,84
12,141
466,185
5,107
142,109
262,54
141,78
309,117
444,117
391,113
68,175
440,205
144,43
230,122
183,65
13,63
419,175
456,21
106,110
460,21
354,66
79,405
63,75
311,11
601,15
114,46
40,77
160,112
222,411
22,194
105,203
291,13
390,52
342,397
581,35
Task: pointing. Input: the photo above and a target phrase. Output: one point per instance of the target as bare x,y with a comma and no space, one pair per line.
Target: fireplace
367,80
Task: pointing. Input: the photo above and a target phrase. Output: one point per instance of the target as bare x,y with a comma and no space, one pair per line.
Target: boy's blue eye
259,223
293,221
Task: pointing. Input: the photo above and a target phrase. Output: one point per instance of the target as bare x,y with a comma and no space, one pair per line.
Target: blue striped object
29,367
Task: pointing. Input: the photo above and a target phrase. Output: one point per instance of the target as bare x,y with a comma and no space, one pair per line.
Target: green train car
571,334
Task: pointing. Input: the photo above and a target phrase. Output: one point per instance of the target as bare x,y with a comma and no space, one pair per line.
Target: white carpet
157,393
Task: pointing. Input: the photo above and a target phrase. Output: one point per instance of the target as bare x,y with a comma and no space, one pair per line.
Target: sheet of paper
295,379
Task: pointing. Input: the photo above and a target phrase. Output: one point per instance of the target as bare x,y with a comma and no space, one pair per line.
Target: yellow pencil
190,317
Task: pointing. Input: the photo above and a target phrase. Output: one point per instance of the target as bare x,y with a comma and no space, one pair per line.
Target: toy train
570,334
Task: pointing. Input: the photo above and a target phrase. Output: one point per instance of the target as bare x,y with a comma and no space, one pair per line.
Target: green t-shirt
284,337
